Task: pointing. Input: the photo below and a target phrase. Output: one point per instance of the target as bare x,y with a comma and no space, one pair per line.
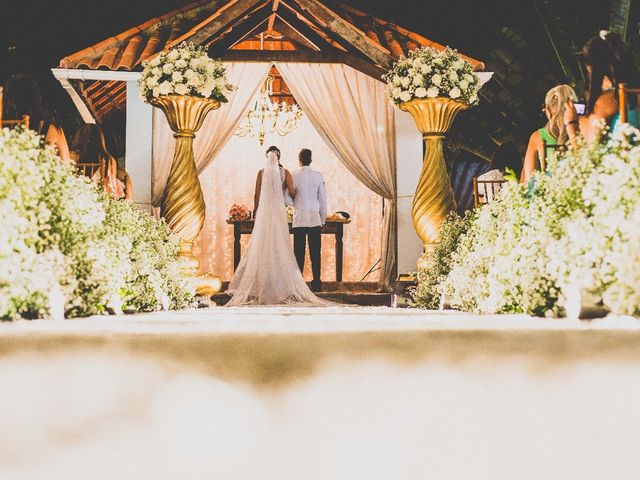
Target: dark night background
530,44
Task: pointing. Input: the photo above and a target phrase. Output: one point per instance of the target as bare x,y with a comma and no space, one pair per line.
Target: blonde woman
557,100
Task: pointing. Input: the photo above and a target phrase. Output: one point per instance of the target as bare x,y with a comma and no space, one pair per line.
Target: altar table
332,227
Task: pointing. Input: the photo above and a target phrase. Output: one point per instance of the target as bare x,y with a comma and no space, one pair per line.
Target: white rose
437,60
182,89
157,71
454,92
405,82
152,81
156,91
397,81
473,98
436,79
453,76
177,77
167,68
433,92
194,81
206,93
211,67
165,88
173,55
421,92
459,64
426,69
193,63
405,96
395,92
468,77
464,84
418,80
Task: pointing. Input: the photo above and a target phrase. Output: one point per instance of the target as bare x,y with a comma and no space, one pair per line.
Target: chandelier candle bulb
266,116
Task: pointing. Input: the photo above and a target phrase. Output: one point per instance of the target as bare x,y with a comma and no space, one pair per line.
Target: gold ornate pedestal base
183,202
208,285
434,197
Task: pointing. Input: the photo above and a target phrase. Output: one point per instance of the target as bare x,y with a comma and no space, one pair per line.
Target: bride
268,273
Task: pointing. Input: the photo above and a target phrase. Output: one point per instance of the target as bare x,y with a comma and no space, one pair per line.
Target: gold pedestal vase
183,202
434,196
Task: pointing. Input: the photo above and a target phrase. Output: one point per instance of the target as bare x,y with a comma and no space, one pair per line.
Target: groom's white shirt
310,203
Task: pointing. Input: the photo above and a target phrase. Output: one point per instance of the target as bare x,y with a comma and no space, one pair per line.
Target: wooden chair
485,190
626,100
24,121
545,148
88,169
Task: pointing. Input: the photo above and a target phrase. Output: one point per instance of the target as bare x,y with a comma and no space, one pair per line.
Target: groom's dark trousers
314,234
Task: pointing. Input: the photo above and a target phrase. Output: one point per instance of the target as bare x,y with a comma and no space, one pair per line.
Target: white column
139,146
409,159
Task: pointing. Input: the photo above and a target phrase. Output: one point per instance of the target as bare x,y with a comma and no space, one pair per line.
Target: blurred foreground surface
339,393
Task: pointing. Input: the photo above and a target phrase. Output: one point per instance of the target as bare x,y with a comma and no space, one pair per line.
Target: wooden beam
290,33
307,32
242,29
336,24
221,20
304,56
313,27
274,9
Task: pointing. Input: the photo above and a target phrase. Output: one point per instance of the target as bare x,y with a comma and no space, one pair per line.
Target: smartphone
581,108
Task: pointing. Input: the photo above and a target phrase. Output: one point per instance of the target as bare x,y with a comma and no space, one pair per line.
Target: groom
310,214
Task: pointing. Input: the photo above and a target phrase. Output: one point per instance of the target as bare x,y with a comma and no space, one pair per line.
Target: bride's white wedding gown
268,273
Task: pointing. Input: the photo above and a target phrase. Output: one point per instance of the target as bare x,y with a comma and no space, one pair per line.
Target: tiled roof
307,27
127,50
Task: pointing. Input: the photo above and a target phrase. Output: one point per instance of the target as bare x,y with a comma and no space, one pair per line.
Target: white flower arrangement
67,248
184,70
571,233
430,73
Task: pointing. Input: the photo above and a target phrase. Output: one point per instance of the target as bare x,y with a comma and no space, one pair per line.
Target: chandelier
267,116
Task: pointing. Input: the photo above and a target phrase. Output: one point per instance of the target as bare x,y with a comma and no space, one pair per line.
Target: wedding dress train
268,273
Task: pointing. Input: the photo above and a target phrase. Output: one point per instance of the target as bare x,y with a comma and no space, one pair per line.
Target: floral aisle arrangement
431,73
153,281
438,262
64,247
184,70
238,213
541,248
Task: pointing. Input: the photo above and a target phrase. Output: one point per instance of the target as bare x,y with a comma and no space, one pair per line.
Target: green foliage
66,248
571,233
437,263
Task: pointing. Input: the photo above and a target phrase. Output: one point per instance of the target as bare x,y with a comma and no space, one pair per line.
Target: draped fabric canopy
349,110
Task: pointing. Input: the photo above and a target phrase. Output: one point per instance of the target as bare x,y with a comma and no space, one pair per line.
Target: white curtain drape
351,112
218,127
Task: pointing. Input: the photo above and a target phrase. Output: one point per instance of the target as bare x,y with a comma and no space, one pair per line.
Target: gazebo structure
289,34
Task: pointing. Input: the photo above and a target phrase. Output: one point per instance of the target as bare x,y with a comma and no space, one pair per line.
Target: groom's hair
305,156
273,148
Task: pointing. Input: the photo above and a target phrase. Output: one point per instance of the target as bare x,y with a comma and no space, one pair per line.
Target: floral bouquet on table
238,213
430,73
184,70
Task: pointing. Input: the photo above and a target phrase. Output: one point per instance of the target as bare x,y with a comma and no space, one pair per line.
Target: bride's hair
273,148
556,103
